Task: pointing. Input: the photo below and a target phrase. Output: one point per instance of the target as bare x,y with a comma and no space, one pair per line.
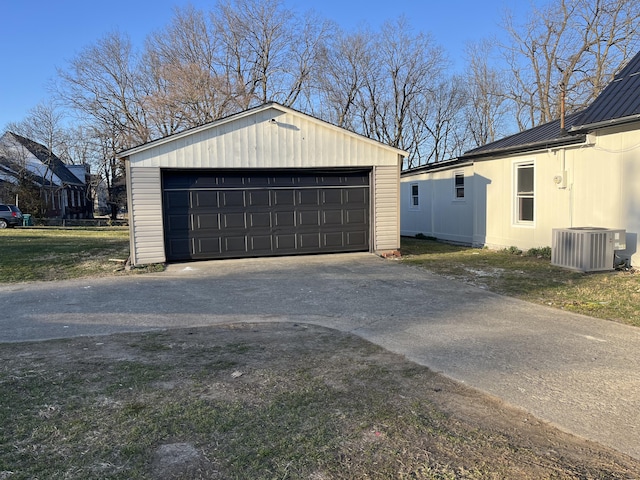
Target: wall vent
588,249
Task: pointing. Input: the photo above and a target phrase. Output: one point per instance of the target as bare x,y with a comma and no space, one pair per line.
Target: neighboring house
514,191
63,189
266,181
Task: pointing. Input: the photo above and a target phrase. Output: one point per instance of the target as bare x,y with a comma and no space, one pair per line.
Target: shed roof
245,113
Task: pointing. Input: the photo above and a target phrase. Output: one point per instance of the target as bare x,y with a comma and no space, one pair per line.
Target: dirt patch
264,401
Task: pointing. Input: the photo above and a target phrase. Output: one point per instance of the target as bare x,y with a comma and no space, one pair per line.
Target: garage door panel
255,213
332,197
285,243
309,218
234,220
356,196
233,199
179,248
356,217
179,223
208,246
285,219
332,217
206,221
259,219
177,201
261,243
236,244
259,198
205,199
309,241
333,240
308,197
284,197
356,239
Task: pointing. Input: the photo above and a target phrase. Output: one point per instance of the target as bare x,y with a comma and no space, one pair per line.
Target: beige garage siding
386,208
145,213
289,141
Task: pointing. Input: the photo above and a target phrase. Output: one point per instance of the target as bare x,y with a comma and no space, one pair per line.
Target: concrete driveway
578,373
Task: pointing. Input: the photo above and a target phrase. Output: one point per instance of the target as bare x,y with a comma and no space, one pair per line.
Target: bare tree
44,124
485,107
442,118
103,84
571,45
345,63
267,52
387,77
185,77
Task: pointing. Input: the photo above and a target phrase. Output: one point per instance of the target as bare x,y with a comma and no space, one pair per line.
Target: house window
458,179
525,197
415,198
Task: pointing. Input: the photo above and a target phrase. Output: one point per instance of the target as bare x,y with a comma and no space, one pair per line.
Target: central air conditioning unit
588,249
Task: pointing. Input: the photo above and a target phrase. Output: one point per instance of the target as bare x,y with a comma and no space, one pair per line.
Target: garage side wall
386,208
145,215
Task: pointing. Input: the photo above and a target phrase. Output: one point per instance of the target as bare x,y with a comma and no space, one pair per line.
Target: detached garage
264,182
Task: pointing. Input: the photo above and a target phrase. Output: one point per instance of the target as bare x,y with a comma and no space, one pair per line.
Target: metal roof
548,134
619,101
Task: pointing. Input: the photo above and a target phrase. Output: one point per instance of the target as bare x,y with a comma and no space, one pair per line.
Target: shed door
214,214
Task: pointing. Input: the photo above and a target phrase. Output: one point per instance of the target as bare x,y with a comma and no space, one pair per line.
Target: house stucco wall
270,138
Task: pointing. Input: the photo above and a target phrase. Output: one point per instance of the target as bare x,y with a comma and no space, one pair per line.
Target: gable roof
48,158
618,103
246,113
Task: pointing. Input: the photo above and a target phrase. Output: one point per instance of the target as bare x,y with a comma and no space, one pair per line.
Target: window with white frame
458,185
414,201
525,194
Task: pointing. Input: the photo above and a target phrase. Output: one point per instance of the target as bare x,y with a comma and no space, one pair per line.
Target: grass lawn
607,295
266,401
32,254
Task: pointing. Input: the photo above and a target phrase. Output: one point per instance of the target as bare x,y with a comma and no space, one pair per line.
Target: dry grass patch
263,401
608,295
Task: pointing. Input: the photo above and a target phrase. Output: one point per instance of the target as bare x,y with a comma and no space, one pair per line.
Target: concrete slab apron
579,373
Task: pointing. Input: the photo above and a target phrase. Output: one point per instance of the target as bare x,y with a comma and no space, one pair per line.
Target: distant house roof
48,158
618,103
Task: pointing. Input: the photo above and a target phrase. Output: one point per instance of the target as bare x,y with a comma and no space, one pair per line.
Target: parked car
10,216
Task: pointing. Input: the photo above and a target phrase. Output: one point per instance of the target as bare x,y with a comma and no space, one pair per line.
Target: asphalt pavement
580,374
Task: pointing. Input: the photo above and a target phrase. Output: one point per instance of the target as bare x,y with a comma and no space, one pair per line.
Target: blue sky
38,36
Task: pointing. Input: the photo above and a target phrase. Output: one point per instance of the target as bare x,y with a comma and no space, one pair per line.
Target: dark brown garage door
256,213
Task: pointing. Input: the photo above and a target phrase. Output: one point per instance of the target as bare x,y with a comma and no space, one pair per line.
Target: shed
264,182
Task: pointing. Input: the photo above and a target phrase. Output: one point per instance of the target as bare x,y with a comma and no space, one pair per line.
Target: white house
515,191
266,181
